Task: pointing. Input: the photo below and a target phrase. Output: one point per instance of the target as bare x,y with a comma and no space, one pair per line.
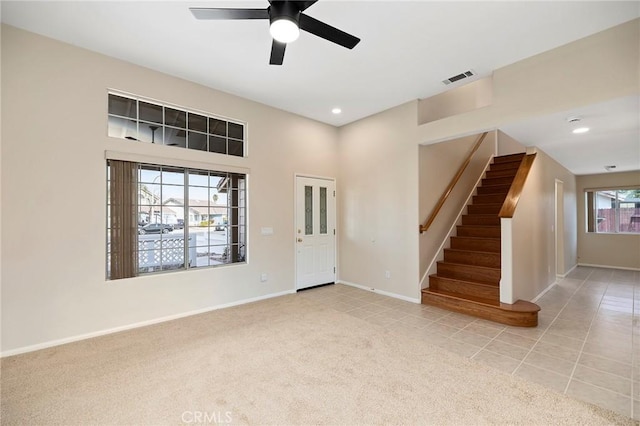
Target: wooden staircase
468,279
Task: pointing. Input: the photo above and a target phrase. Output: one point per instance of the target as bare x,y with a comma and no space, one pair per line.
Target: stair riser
490,260
475,244
494,189
497,181
491,313
484,209
469,273
464,288
475,219
501,173
478,231
508,158
507,165
489,198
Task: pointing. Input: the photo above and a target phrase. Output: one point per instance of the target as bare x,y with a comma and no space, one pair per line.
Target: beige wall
507,145
53,172
533,228
597,68
614,250
53,193
439,163
471,96
378,202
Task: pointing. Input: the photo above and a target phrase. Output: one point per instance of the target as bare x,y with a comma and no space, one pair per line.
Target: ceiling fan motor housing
284,10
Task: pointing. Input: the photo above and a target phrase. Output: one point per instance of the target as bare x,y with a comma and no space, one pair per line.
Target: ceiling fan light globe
284,30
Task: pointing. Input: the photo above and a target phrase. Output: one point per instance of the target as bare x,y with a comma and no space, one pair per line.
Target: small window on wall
142,120
613,211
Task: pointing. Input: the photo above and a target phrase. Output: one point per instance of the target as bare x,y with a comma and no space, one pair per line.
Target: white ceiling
613,138
407,47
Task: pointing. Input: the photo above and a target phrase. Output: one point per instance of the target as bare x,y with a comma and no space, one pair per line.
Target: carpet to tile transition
280,361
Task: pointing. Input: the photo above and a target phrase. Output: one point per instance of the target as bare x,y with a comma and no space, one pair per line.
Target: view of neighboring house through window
163,218
144,120
613,211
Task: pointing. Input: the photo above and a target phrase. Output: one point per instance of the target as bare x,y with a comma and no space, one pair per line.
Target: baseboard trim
382,292
608,267
568,272
85,336
543,292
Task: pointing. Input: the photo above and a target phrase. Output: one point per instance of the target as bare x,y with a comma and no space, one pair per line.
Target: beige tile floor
586,345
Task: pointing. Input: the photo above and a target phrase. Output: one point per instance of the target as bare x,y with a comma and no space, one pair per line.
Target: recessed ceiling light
336,110
580,130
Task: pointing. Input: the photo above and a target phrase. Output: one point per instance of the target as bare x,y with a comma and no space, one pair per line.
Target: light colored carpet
281,361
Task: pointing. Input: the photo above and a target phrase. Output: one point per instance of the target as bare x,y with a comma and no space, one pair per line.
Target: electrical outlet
387,274
264,277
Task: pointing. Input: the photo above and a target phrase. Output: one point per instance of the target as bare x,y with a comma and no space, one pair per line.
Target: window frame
166,128
592,207
235,244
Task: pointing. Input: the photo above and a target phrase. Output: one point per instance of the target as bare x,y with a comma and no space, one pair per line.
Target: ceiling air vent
459,77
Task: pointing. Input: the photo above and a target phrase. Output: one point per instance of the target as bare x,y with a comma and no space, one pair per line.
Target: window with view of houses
163,218
613,211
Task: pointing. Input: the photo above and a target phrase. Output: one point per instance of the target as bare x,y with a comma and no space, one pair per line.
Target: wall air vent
459,77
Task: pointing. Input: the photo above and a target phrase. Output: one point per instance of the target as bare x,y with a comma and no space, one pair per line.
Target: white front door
315,232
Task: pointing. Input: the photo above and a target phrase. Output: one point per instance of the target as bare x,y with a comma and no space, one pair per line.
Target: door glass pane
323,210
308,210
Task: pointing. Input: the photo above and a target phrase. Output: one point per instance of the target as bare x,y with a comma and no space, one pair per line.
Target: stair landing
519,314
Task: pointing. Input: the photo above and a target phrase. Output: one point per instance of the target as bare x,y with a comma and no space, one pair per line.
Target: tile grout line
545,332
550,324
486,344
575,366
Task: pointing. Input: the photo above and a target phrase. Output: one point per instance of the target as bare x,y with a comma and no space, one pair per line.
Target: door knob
299,240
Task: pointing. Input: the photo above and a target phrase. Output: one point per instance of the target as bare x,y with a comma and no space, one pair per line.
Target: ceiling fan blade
304,5
277,53
327,32
221,13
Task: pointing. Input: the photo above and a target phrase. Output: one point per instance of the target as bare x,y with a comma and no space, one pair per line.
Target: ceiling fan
286,20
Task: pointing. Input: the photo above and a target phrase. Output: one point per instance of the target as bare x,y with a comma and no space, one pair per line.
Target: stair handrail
511,201
453,183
